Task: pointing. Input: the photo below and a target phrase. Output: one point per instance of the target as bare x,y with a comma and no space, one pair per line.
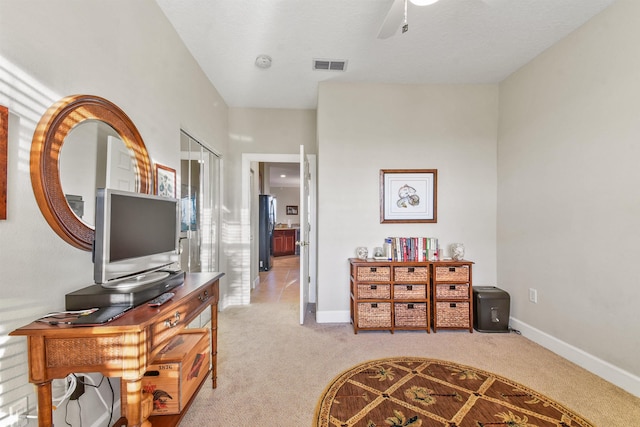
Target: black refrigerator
267,223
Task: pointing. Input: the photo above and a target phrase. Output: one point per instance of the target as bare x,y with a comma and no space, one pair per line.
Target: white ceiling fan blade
393,20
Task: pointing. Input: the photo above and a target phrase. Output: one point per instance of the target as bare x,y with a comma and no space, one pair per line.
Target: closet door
200,206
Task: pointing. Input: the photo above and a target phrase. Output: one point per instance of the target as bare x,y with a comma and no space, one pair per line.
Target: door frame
245,224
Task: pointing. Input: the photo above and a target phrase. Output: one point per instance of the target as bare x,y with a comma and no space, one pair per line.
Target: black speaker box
490,309
98,296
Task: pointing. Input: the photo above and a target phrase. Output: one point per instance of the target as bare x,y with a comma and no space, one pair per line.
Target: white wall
568,205
286,196
125,51
268,135
363,128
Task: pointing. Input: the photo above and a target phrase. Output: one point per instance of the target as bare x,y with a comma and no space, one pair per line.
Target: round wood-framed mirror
46,146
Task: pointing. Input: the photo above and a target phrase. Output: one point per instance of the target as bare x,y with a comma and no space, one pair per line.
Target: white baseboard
621,378
333,317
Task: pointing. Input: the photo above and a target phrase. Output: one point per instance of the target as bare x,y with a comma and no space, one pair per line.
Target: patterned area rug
413,392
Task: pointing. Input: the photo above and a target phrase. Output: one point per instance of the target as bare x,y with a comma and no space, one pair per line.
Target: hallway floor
281,284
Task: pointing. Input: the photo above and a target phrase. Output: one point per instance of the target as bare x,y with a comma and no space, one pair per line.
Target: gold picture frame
4,144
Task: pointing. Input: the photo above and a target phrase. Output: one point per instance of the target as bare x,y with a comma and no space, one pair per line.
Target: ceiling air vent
329,64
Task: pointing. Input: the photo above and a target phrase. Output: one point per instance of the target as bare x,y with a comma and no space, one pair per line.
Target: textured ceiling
452,41
291,172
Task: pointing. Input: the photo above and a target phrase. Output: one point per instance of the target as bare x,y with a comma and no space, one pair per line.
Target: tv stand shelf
122,348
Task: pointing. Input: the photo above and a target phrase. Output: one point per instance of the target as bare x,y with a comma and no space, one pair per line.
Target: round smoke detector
263,61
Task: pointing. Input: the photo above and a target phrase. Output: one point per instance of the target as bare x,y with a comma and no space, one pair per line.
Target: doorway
250,191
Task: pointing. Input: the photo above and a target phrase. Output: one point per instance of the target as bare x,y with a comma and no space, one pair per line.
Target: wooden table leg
45,407
214,341
131,399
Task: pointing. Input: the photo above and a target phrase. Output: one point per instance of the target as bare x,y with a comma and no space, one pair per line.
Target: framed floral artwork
165,181
408,195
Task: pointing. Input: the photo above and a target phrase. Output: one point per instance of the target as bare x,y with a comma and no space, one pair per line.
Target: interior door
120,173
199,197
305,228
190,201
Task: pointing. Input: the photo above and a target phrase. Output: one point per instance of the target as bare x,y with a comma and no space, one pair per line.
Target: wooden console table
122,348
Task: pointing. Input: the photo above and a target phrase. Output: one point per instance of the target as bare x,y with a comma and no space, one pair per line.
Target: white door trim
245,217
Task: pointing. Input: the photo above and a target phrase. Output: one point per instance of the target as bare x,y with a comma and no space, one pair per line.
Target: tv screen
136,234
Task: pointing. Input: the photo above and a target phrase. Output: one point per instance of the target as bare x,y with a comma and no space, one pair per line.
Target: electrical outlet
533,295
79,390
18,412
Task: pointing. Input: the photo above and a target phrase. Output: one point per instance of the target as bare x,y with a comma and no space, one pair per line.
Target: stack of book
413,248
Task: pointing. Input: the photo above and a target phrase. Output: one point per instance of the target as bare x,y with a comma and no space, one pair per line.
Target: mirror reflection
93,156
50,140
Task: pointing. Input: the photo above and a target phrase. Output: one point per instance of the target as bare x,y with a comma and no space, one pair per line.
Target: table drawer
448,291
458,273
373,274
173,319
365,291
410,291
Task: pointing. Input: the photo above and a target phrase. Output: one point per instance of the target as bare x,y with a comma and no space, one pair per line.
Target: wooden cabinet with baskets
452,295
388,295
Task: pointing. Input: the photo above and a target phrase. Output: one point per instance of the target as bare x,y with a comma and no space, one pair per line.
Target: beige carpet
272,371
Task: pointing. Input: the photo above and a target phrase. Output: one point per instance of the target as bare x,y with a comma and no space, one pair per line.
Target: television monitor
136,238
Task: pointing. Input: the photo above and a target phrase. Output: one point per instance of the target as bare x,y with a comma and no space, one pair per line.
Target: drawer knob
204,296
173,323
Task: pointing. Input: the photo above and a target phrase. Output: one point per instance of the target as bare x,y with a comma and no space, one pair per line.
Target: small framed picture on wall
408,195
292,210
165,181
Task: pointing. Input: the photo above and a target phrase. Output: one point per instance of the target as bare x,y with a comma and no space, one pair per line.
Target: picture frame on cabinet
4,143
165,181
408,195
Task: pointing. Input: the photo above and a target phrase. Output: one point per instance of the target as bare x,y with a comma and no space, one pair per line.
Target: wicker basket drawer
458,273
373,291
374,315
411,274
411,314
457,291
452,315
410,291
373,274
